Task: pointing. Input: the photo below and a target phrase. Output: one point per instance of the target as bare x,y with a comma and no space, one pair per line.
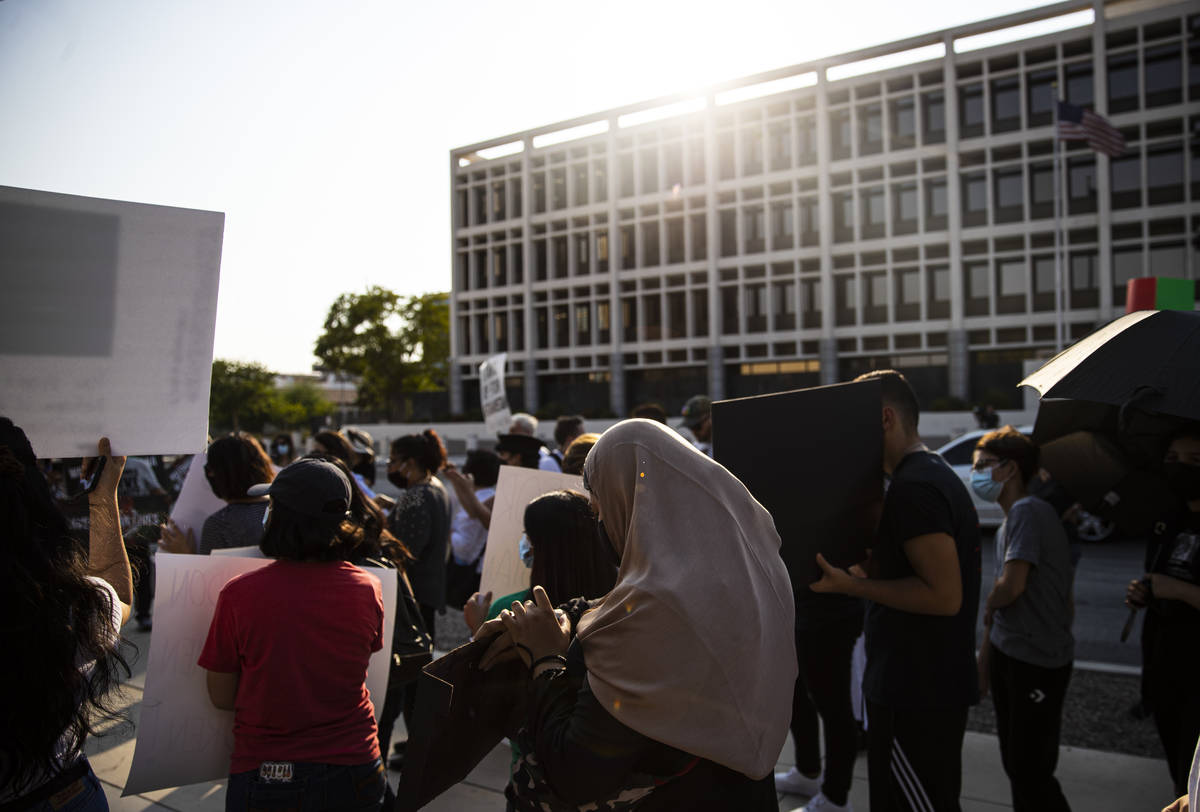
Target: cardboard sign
196,500
814,459
492,398
503,570
181,737
110,309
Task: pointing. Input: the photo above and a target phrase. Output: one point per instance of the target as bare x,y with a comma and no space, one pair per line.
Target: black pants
914,758
823,688
1170,675
428,615
1029,702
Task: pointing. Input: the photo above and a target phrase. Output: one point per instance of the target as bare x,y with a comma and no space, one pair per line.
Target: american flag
1077,124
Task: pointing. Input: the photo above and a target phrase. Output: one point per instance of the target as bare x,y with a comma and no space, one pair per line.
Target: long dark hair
570,559
52,619
367,535
234,464
426,448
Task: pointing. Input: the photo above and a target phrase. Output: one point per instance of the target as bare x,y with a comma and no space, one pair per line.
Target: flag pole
1058,241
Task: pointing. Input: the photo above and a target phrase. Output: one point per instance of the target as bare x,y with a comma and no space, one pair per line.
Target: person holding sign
655,696
64,609
287,651
923,586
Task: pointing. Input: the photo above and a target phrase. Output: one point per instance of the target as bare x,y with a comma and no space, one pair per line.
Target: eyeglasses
985,464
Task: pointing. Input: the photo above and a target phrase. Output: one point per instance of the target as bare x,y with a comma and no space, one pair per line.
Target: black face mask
1184,479
398,479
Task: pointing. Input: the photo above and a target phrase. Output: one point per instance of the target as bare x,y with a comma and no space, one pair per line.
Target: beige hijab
694,647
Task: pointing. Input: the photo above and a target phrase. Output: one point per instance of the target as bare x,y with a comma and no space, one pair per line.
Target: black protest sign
814,459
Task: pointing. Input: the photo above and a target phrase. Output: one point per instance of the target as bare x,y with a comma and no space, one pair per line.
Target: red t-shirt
300,634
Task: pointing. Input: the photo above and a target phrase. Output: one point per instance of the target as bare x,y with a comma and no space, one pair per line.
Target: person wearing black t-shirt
922,584
1172,629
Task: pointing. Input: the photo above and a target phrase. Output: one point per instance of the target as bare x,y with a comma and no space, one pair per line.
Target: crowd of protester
669,650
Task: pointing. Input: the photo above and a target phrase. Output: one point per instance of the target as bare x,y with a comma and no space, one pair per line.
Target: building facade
802,226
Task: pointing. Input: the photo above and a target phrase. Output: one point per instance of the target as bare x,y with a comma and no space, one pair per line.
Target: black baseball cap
309,487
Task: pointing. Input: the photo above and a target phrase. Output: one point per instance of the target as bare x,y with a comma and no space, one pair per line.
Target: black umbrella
1108,405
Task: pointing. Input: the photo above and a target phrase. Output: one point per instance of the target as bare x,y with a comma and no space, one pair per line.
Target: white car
958,453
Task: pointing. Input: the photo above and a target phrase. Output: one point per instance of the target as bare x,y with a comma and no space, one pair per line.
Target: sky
323,130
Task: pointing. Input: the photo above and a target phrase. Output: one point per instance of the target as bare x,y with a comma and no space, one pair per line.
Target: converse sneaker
795,782
822,804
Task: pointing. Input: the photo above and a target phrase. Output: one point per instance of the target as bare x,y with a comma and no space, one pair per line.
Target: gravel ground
1096,714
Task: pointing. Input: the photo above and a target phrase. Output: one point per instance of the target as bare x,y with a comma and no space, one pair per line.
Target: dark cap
696,409
309,487
518,444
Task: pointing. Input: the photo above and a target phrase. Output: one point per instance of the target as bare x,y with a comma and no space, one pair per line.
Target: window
1164,75
583,265
602,252
559,251
625,179
810,303
839,134
1081,184
780,134
756,308
1012,283
1085,280
975,275
1006,104
676,314
628,248
1168,260
652,316
649,170
902,123
699,313
806,138
974,199
809,221
876,306
629,318
783,296
600,178
498,200
499,267
752,151
939,292
1039,91
843,217
904,207
1079,84
1008,188
562,334
782,226
729,247
541,264
480,205
558,188
481,333
845,300
970,110
1043,282
696,162
673,165
755,230
908,294
1164,173
675,242
603,322
1126,181
518,322
870,129
583,325
874,212
933,118
1126,265
579,175
729,311
1041,189
1122,82
699,236
726,166
936,205
542,319
650,256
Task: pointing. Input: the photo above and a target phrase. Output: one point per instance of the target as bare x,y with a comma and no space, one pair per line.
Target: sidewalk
1091,779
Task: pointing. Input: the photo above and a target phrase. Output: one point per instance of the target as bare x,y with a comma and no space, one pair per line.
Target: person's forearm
1004,593
474,508
107,558
909,594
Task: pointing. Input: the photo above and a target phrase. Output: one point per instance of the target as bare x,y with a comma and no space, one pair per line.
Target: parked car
958,453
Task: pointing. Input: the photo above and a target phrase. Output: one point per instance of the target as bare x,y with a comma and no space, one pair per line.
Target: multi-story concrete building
837,221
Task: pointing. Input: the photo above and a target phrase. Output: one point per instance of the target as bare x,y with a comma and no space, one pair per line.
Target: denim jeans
84,795
314,787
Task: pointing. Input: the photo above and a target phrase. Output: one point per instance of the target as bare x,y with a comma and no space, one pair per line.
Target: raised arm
107,558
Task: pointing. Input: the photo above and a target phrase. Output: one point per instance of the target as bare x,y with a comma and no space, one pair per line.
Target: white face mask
526,550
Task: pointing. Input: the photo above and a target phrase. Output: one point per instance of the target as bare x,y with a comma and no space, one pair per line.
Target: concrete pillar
456,389
616,386
1104,270
958,358
530,386
828,344
958,363
829,361
716,373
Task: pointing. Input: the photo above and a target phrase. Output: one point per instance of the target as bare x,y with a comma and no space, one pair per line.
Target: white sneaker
795,782
822,804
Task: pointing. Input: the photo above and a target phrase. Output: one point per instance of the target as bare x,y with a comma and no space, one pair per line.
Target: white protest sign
240,552
196,500
110,309
181,737
492,398
503,570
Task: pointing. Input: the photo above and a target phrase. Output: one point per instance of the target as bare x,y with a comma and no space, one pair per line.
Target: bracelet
559,657
525,649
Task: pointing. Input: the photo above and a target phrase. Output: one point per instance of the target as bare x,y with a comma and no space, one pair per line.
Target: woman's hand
175,540
537,629
475,611
1136,595
110,477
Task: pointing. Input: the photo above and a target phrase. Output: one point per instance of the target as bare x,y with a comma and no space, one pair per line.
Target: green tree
242,396
395,345
300,405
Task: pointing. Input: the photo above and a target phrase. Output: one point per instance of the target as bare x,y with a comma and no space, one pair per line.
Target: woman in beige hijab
674,691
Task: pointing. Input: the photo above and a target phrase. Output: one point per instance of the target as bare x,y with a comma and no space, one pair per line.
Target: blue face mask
526,550
984,486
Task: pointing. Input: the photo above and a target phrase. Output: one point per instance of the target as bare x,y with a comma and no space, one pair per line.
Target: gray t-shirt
238,524
1036,627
